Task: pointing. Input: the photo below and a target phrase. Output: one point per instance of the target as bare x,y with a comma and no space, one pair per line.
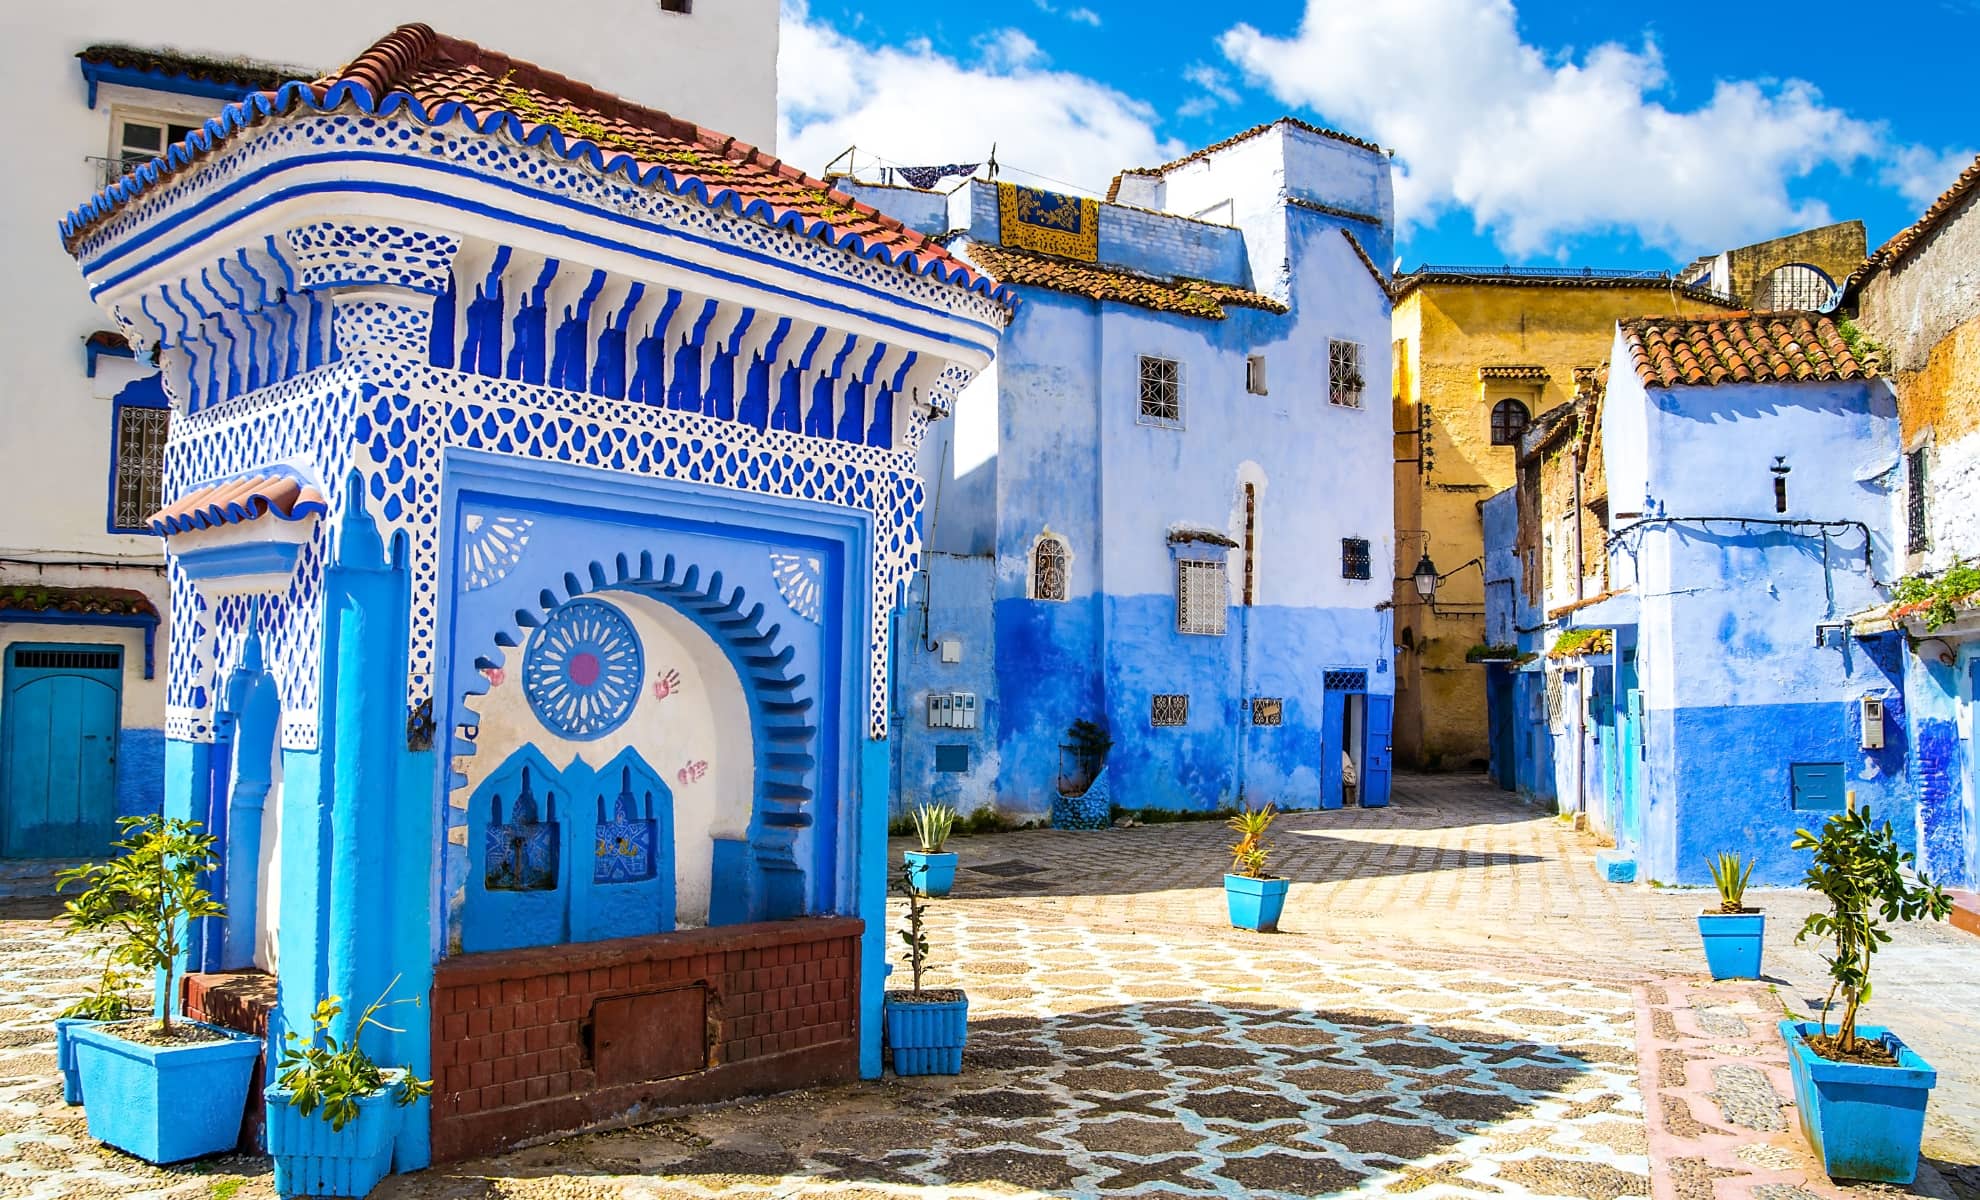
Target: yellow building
1477,355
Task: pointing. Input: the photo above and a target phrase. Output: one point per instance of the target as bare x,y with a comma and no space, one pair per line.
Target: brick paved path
1456,1008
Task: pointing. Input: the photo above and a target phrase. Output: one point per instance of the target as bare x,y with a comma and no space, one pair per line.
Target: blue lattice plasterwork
798,581
583,670
491,547
390,419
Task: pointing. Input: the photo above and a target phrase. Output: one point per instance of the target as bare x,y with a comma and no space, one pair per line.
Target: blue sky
1535,132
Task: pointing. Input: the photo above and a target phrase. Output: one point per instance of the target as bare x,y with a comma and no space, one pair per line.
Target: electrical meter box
952,710
1873,722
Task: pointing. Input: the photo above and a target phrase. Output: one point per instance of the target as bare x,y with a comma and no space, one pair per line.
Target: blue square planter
1732,943
312,1159
927,1039
165,1104
933,873
65,1057
1864,1122
1255,903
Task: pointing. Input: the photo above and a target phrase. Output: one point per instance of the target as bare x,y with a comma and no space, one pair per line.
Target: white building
94,87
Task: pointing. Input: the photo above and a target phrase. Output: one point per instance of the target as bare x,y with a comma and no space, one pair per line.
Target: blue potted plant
110,1001
168,1089
1733,933
1255,899
926,1027
1861,1091
333,1113
933,868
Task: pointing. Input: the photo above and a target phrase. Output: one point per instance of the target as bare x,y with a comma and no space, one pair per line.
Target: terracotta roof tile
242,73
34,597
1254,131
1381,281
1773,347
1191,297
1409,281
1514,371
232,501
447,77
1908,239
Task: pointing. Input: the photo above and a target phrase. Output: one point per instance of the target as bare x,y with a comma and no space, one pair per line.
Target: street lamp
1426,577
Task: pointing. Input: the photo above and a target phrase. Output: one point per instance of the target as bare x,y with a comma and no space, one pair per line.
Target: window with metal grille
139,466
1250,543
1355,562
1344,382
1202,597
952,760
1161,392
1509,418
1048,569
1267,710
1168,708
1345,681
1917,533
1795,286
137,139
70,660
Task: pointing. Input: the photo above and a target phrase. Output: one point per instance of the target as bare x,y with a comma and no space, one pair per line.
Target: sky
1528,132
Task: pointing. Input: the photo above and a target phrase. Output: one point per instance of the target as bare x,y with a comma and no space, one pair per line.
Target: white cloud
1084,16
912,104
1542,145
1921,175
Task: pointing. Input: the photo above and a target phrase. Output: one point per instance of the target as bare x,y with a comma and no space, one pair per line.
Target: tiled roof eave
295,95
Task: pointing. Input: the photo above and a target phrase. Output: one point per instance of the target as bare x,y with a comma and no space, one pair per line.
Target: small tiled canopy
233,501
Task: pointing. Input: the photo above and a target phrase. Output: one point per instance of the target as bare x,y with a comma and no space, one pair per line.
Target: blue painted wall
1736,690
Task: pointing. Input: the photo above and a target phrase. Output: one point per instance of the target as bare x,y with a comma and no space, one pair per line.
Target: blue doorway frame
59,722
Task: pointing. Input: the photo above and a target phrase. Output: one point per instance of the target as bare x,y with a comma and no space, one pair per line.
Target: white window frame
1065,568
1197,613
1141,380
1338,396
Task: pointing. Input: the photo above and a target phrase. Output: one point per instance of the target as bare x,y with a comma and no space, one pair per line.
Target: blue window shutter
1817,786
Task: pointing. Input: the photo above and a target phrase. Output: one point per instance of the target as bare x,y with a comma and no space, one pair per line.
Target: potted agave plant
165,1089
1733,933
1255,898
333,1113
926,1027
932,867
109,1001
1860,1090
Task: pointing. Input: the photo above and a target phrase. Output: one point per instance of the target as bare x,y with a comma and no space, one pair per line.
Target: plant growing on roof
1860,870
331,1075
1940,594
149,895
933,823
1730,878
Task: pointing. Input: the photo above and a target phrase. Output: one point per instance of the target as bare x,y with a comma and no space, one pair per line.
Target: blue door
1333,722
58,785
1377,753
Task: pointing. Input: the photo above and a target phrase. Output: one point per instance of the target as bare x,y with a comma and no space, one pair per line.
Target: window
1168,708
139,139
679,6
1267,710
1795,286
1917,535
1250,544
1161,392
1344,373
1354,558
1254,374
137,466
1201,597
1509,418
1048,569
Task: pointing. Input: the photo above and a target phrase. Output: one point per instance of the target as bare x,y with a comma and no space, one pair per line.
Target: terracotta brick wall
528,1043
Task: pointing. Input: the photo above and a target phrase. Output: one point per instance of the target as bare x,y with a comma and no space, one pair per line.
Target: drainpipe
1581,708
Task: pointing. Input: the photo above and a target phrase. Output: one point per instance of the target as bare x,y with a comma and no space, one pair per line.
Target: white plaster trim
1031,564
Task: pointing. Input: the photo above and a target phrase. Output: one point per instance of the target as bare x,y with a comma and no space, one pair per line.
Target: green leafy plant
1859,869
933,823
1940,594
149,895
1484,652
1089,743
333,1075
986,819
1249,853
109,1000
915,932
1575,642
1731,878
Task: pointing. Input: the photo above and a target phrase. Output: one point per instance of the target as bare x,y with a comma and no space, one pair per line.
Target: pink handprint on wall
692,773
666,684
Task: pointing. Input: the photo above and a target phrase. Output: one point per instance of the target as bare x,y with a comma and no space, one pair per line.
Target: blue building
1704,692
1522,747
541,491
1167,508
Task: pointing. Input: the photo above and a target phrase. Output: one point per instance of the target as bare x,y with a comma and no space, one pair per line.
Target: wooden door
58,788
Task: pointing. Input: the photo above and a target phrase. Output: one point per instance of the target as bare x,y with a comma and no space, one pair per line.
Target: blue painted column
874,876
364,623
188,780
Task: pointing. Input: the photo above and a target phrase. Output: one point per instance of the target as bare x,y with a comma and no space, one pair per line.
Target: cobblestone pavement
1456,1007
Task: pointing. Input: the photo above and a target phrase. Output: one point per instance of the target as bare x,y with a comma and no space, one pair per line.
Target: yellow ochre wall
1444,333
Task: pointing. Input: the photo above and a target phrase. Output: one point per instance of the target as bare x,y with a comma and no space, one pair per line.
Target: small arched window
1795,286
1509,418
1048,569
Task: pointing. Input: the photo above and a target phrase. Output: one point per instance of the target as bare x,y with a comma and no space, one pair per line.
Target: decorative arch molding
1046,542
783,718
